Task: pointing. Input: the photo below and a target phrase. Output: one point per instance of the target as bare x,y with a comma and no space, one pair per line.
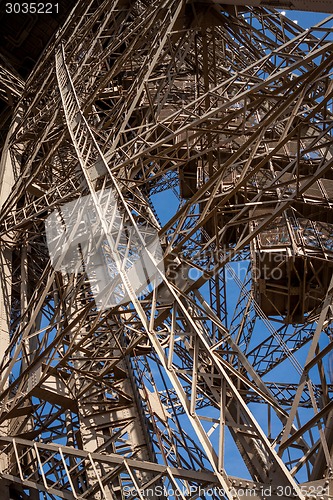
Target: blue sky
166,204
305,19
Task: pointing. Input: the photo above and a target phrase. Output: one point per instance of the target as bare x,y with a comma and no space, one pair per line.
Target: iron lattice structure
214,125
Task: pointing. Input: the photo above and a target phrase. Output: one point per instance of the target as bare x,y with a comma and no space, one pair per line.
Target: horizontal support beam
306,5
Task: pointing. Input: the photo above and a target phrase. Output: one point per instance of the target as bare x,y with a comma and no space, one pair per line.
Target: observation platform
293,257
292,265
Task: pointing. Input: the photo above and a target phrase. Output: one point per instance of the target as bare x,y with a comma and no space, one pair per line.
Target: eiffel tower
166,246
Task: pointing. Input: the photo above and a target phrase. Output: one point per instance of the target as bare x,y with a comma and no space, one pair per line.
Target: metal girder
11,86
232,112
307,5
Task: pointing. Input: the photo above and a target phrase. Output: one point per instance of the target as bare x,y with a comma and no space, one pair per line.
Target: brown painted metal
201,383
305,5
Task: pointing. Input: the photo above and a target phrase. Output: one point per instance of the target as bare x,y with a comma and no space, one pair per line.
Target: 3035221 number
32,8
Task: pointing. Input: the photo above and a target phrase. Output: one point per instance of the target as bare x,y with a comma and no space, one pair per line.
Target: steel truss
218,379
